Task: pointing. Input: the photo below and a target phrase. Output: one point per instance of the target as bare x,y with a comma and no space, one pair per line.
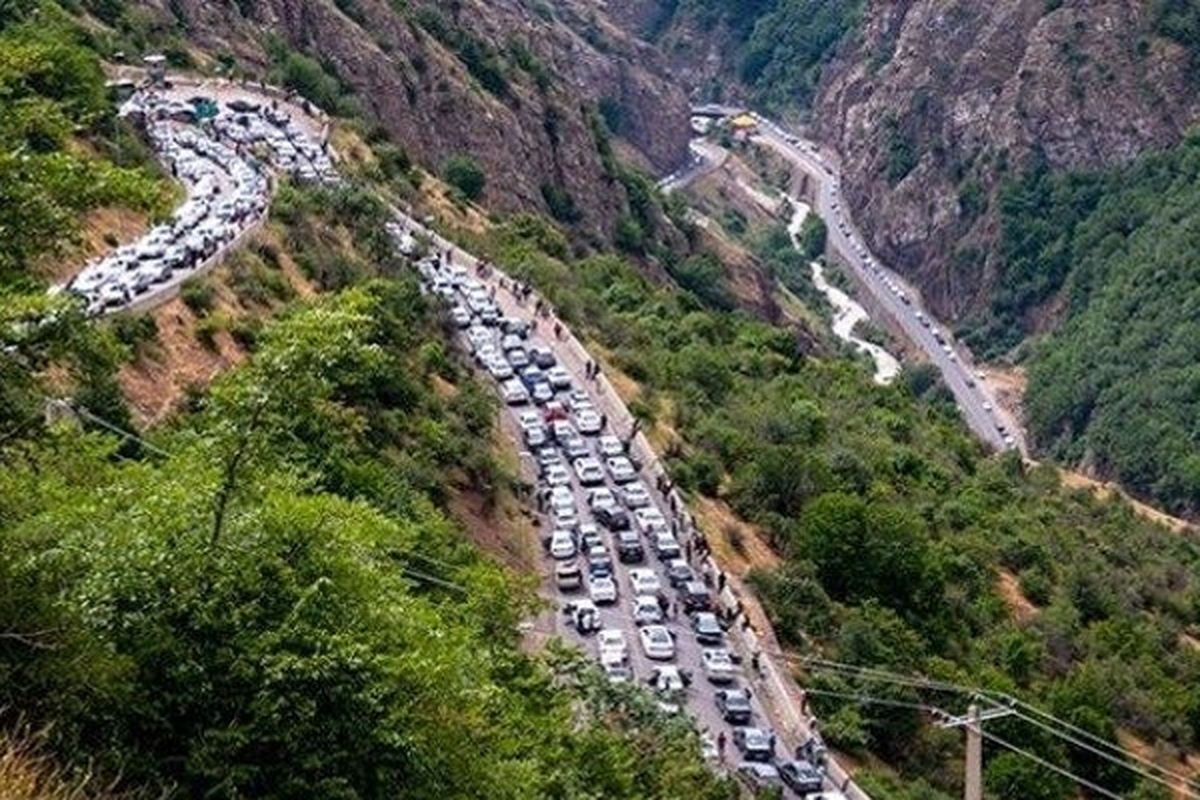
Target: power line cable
1115,754
870,673
1049,765
872,700
1166,778
81,411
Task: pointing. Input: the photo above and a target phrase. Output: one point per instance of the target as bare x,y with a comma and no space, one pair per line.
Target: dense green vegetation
1114,385
268,599
53,109
271,604
896,528
782,43
1178,20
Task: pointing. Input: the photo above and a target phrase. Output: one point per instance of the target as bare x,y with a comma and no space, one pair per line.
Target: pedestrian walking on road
756,663
720,582
721,745
603,421
558,332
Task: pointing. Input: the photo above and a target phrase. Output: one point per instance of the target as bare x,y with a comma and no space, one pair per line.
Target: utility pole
973,723
974,790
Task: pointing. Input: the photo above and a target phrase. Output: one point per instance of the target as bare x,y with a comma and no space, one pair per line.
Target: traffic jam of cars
219,153
629,592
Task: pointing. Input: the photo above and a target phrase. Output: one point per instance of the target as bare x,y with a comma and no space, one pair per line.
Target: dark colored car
707,628
734,706
599,565
801,777
755,744
629,548
615,519
518,327
542,356
679,573
694,596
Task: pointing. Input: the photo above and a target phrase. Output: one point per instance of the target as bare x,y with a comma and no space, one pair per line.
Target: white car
657,642
588,471
634,495
557,475
529,418
579,400
602,496
559,378
611,640
584,615
588,422
666,546
499,369
602,590
646,610
567,518
617,670
610,446
561,498
717,665
650,520
621,469
514,392
536,436
562,545
644,581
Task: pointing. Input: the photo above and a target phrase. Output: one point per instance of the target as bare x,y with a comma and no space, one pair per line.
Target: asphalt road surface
457,284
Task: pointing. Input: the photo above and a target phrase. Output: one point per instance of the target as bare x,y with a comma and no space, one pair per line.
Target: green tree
464,173
813,234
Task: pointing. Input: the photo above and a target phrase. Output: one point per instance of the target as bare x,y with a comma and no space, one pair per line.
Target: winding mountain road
890,292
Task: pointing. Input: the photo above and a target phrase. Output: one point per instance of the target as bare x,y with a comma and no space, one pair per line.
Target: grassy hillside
905,546
1114,385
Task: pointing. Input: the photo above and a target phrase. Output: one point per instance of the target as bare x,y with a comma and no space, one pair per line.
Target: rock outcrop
515,85
936,103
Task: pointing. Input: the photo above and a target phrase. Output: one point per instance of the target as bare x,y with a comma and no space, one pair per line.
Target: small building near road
156,69
743,124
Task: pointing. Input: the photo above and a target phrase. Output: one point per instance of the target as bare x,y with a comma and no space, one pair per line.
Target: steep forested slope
904,546
1115,386
268,599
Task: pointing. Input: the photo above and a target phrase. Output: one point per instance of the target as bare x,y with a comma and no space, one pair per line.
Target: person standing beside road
721,745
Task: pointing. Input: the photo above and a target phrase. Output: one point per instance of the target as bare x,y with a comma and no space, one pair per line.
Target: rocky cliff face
516,85
937,102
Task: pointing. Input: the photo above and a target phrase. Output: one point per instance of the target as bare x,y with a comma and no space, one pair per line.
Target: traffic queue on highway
973,400
625,573
220,154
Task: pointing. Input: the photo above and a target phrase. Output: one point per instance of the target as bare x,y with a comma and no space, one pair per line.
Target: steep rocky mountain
935,104
525,89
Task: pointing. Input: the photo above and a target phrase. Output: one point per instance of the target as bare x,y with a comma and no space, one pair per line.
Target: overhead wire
872,700
1165,776
1072,734
1081,781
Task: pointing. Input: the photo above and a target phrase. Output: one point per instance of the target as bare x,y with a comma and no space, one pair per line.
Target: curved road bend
893,294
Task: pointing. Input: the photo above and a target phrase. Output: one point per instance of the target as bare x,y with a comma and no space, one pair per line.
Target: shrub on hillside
464,174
